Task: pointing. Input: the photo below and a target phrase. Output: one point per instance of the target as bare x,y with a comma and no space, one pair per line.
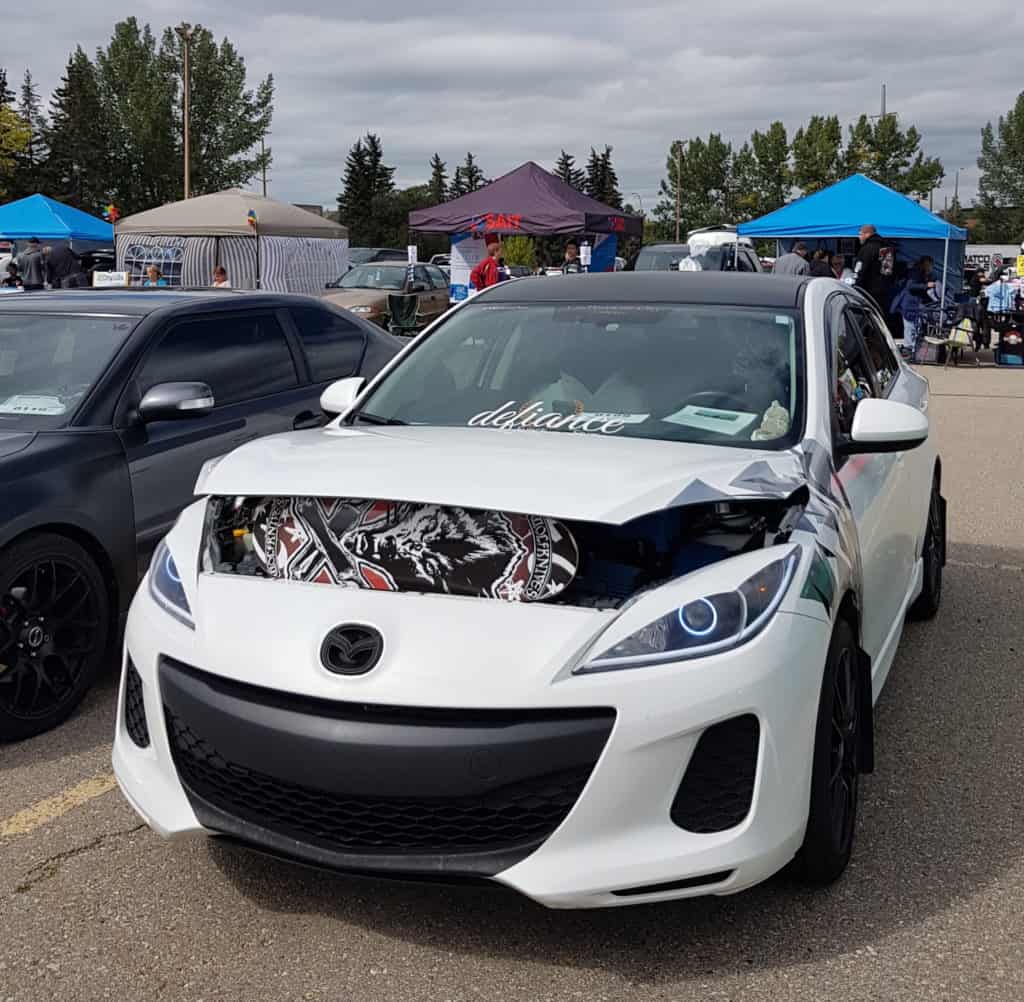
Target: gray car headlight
360,309
166,589
706,625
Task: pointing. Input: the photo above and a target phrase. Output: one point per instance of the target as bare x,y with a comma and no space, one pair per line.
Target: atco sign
983,256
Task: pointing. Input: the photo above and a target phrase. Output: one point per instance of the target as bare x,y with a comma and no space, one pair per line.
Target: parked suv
709,250
110,404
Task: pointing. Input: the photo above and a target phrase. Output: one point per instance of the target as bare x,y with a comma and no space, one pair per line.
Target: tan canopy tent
289,250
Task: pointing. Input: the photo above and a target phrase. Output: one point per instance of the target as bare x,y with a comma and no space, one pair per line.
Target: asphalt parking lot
94,906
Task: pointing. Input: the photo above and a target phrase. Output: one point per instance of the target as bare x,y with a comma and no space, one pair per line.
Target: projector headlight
166,589
707,625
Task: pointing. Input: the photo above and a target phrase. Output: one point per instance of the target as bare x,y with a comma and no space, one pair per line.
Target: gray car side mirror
176,402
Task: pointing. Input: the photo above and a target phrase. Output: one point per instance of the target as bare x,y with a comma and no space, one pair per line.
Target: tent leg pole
945,267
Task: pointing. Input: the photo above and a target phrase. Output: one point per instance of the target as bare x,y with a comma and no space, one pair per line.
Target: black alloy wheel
835,779
54,627
934,556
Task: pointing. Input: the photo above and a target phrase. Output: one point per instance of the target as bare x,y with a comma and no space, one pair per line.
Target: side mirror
341,394
176,401
885,426
417,287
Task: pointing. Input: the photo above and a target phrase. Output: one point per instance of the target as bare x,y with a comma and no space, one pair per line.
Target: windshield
661,260
374,276
49,363
715,374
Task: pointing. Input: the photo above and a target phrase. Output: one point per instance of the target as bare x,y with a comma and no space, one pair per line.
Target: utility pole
679,185
882,115
185,32
263,157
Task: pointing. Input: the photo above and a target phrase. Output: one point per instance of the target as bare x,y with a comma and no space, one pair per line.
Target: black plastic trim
676,885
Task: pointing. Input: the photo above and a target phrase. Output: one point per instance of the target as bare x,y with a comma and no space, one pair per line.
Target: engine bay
401,546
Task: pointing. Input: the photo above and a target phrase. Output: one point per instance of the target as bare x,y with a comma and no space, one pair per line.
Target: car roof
136,302
664,247
694,287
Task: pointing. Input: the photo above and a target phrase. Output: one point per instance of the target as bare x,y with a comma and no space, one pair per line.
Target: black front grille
135,708
718,787
522,813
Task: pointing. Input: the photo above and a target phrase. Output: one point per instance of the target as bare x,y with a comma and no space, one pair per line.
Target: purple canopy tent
530,201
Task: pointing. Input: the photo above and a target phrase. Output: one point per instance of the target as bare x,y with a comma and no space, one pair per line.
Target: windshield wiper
367,418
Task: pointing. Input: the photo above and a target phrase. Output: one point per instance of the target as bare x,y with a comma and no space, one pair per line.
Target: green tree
1001,184
438,180
468,176
80,151
519,250
364,204
601,181
228,119
817,154
6,94
566,169
772,176
890,155
14,139
27,175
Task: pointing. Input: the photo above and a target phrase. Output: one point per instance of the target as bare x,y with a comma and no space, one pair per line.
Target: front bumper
632,733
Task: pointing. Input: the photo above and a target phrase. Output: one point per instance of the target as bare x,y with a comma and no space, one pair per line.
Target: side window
334,345
746,262
420,275
854,373
241,357
883,361
440,281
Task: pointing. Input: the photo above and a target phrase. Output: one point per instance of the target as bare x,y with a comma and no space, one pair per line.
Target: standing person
32,266
840,272
63,266
485,274
793,263
220,277
571,265
12,280
868,268
820,267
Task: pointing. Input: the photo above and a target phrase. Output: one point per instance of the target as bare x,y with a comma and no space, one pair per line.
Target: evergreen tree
458,186
1001,185
601,180
6,94
472,177
367,186
817,154
567,170
14,138
772,176
888,154
27,174
438,180
708,193
77,139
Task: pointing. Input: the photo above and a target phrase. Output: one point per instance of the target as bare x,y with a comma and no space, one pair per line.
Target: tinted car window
440,280
241,357
333,344
420,275
883,361
854,381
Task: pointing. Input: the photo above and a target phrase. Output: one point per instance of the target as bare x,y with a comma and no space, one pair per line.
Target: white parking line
53,807
974,566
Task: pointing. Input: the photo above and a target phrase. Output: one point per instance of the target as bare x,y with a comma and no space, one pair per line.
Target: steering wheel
716,398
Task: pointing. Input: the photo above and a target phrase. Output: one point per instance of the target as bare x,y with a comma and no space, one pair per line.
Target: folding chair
403,311
955,340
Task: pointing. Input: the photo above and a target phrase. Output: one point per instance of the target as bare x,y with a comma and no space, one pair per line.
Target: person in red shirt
486,274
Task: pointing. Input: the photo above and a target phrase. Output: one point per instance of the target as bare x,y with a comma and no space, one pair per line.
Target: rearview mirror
885,426
176,401
340,395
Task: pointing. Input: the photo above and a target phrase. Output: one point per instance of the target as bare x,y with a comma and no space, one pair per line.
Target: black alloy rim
49,629
843,761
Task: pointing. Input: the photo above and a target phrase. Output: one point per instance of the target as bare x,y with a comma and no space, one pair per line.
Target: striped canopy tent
261,243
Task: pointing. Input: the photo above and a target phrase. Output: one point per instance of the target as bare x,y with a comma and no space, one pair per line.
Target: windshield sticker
511,415
711,419
25,404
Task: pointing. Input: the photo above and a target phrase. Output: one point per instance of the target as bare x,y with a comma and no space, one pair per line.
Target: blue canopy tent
51,221
838,212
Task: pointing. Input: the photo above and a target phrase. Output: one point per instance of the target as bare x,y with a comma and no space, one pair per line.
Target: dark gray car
110,403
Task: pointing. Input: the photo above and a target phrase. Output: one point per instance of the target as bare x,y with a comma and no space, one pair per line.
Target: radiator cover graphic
398,546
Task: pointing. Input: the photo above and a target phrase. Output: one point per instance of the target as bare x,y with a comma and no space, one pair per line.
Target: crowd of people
492,270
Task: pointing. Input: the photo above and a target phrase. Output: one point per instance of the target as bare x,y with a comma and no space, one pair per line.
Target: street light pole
185,32
679,185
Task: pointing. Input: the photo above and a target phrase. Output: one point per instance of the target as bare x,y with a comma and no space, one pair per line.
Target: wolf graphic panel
397,546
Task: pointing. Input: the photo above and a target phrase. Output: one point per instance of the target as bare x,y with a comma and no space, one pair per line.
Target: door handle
307,419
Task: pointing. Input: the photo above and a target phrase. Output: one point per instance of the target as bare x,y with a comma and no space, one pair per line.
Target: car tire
927,603
835,778
54,630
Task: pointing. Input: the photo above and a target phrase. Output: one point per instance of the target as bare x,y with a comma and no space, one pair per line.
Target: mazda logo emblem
351,649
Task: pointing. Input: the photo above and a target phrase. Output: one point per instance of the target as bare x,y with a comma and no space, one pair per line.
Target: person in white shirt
220,278
840,272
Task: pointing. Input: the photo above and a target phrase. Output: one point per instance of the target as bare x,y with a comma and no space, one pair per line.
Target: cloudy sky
521,80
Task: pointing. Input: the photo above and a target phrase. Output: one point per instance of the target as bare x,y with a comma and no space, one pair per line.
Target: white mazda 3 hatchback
591,592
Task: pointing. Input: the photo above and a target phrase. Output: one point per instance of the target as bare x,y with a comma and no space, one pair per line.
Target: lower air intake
135,708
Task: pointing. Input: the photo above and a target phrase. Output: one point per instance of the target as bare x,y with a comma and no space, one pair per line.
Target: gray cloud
522,81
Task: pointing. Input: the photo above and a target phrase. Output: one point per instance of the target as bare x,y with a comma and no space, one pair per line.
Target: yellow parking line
53,807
